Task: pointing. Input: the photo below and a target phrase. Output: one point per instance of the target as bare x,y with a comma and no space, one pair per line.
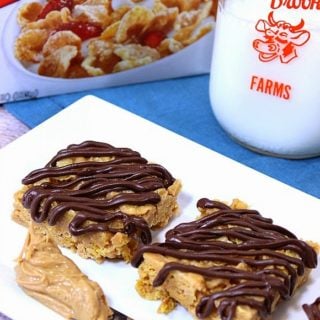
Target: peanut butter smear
48,276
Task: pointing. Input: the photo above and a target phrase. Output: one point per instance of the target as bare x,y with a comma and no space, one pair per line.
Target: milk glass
265,75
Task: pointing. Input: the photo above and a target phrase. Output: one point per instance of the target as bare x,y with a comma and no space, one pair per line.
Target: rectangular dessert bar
98,200
231,263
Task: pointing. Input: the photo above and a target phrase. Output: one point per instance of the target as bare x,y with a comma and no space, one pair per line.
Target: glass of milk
265,76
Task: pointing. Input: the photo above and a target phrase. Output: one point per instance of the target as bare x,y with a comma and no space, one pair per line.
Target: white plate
203,172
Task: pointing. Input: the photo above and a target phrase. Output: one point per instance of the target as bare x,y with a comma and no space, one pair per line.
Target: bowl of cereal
110,41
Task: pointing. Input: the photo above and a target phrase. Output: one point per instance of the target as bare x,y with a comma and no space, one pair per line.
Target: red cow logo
280,39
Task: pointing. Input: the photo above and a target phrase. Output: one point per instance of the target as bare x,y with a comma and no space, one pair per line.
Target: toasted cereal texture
100,58
98,200
137,18
29,45
96,12
58,62
52,21
159,29
59,40
28,13
231,263
134,55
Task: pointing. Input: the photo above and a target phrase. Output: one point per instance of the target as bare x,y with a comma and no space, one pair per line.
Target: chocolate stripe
95,188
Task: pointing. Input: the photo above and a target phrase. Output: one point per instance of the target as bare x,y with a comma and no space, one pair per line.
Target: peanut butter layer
232,263
98,200
48,276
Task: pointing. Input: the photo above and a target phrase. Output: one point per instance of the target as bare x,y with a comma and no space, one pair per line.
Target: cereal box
53,47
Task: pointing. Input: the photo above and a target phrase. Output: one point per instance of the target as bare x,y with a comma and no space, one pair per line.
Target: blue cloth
183,106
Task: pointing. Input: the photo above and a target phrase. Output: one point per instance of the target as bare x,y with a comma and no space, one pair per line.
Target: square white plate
203,172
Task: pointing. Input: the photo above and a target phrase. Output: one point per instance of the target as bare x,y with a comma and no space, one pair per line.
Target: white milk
272,106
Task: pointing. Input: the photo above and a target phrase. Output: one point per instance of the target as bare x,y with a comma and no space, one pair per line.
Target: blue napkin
181,105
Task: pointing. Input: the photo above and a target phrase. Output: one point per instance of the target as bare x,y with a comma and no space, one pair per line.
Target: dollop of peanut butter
48,276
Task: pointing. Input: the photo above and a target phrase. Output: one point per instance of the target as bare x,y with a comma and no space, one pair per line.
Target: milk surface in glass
265,76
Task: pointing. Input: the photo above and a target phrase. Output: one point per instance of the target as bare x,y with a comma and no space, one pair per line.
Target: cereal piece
183,5
167,305
130,64
198,33
117,14
164,20
28,13
186,19
158,6
29,44
98,200
235,204
189,25
52,20
134,55
48,276
88,65
59,40
195,16
96,11
133,23
58,62
110,32
100,59
135,52
205,10
169,46
76,71
232,263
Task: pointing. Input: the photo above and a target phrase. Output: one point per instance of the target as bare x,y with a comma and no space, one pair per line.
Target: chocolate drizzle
227,239
312,310
94,186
